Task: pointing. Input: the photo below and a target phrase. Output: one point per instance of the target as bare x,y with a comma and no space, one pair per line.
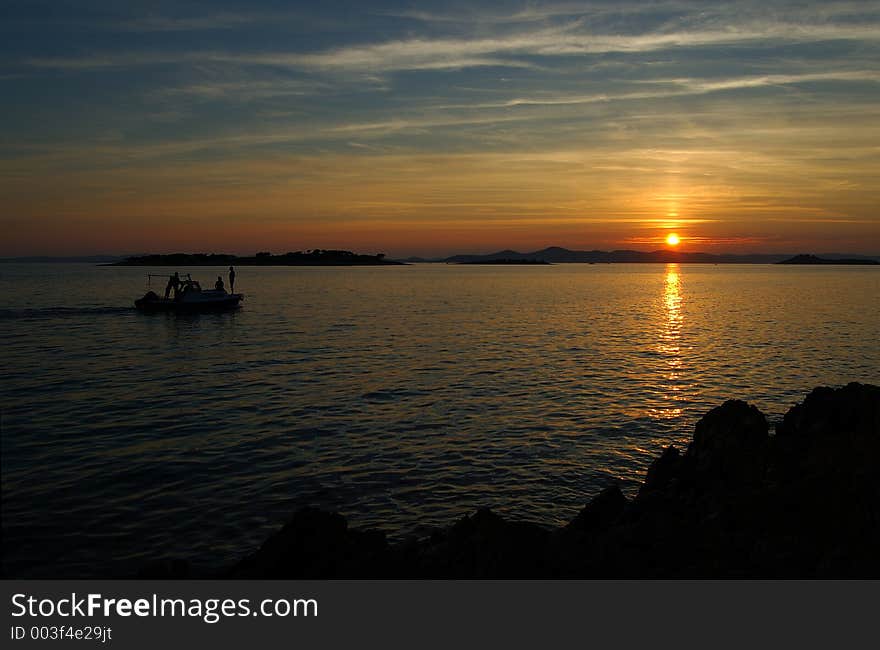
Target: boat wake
61,312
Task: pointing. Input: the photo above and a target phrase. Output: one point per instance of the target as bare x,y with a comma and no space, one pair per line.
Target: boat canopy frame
150,277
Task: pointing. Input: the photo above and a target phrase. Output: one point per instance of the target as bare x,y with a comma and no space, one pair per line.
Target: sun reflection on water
673,384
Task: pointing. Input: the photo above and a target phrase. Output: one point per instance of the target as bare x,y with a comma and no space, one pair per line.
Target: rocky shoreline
737,503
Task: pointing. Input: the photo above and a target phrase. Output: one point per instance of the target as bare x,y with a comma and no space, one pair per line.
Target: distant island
558,255
505,261
316,257
814,259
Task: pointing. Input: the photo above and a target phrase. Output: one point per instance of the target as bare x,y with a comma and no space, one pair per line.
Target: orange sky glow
440,134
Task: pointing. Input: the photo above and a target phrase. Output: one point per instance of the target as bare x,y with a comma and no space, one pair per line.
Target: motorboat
188,296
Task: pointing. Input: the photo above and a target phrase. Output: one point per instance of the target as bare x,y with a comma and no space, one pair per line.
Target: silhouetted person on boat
218,285
173,283
231,280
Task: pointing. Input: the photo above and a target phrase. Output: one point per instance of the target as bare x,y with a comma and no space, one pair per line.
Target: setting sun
672,239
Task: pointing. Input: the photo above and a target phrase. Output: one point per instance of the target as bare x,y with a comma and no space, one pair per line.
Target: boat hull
205,304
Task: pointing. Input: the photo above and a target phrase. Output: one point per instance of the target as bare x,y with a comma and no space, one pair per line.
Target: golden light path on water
670,348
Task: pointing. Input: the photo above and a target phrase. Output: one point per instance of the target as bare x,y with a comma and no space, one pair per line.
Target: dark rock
600,512
853,410
729,443
317,544
735,427
663,471
485,545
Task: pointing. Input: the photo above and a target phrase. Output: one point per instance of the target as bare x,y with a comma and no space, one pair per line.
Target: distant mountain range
558,255
813,259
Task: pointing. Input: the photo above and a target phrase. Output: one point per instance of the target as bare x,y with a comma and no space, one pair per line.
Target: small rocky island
737,503
813,259
316,257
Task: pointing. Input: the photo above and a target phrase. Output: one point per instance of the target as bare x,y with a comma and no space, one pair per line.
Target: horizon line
85,256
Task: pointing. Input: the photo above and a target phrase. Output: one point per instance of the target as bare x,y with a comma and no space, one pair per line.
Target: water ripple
403,399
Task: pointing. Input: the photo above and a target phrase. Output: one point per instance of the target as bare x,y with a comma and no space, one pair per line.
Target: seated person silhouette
218,285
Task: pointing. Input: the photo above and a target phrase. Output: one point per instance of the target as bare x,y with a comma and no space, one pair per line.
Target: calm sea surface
403,397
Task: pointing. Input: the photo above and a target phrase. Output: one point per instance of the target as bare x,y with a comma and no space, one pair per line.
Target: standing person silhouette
231,280
173,283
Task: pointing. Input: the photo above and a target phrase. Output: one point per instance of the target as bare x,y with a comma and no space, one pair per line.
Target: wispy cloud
759,81
243,90
674,87
515,50
670,10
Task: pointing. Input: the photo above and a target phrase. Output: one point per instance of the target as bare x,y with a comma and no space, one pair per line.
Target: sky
432,128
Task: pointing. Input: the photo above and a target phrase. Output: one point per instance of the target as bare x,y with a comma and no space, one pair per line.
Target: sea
403,397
